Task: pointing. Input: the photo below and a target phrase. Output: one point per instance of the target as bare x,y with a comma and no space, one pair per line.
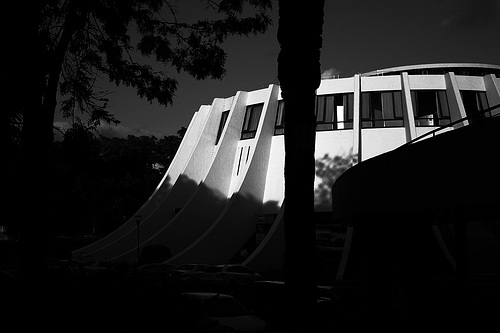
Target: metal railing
474,117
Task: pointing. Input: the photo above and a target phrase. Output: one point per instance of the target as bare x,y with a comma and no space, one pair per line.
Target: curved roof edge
433,68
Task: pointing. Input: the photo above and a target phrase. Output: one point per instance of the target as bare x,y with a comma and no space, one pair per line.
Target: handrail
453,123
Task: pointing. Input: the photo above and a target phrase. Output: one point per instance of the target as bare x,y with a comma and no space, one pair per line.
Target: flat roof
436,69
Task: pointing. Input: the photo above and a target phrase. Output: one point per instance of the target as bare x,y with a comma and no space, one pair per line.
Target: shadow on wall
160,208
328,169
264,220
200,224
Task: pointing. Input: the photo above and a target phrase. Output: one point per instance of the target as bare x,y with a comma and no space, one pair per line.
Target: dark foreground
121,299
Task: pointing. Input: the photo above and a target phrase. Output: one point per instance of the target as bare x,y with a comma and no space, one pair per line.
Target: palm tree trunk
299,72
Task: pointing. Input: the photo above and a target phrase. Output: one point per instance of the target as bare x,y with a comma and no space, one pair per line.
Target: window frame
374,111
327,114
440,115
223,119
251,121
481,101
279,123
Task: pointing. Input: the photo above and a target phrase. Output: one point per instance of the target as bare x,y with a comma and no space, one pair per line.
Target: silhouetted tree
300,29
100,179
61,47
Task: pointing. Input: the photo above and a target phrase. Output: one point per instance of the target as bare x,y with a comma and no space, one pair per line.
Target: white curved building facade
223,192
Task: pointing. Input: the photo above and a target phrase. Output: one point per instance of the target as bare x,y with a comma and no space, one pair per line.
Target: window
279,125
381,109
430,107
222,123
251,121
334,112
475,102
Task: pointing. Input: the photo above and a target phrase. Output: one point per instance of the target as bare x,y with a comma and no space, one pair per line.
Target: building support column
356,121
457,108
492,86
408,115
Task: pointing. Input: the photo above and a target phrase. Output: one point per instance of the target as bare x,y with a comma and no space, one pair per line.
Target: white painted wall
275,178
236,223
422,82
376,141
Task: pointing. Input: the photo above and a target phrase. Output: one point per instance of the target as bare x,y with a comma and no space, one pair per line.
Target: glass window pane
246,121
482,100
376,105
430,107
255,116
279,127
387,106
320,108
365,106
398,104
251,121
443,109
426,103
474,102
279,115
329,109
380,109
222,123
414,102
350,107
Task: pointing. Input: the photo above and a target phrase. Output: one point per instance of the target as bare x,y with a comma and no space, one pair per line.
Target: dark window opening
279,125
475,102
430,107
334,112
251,121
222,123
381,109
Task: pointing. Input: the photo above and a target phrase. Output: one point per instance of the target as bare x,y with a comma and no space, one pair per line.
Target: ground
115,299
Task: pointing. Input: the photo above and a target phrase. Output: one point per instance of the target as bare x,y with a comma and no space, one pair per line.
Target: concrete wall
236,223
275,178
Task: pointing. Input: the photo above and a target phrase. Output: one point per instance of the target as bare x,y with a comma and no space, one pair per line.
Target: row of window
378,109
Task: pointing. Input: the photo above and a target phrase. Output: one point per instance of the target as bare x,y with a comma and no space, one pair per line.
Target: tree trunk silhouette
26,77
300,37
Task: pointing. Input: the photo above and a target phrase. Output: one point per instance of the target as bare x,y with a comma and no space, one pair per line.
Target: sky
358,36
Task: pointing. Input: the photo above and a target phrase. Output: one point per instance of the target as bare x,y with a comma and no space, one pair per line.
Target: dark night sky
358,36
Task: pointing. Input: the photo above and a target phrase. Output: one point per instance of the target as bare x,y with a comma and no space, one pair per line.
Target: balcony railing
475,118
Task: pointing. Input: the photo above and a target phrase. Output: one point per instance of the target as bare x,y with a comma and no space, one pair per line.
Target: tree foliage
101,179
83,41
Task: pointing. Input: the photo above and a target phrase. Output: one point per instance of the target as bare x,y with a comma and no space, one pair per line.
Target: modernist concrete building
221,199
